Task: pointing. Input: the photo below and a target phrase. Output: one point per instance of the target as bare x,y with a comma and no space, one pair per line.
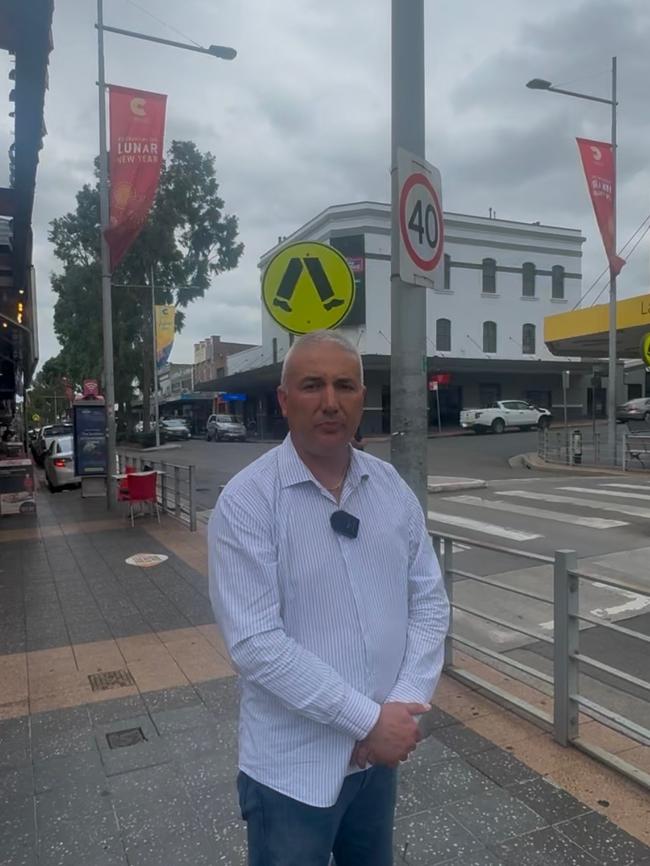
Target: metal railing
587,447
175,488
636,451
567,658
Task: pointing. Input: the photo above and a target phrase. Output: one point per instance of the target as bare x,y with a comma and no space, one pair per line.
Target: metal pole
438,405
156,413
408,302
447,566
107,306
611,390
565,646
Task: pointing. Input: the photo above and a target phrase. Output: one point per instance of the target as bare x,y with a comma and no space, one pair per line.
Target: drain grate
110,680
128,737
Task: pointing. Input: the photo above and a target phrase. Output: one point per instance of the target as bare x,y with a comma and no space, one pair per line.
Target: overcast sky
300,120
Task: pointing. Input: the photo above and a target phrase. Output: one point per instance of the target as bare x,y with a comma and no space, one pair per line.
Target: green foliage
187,241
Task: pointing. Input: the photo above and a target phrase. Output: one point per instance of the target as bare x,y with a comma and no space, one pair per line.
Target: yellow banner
165,318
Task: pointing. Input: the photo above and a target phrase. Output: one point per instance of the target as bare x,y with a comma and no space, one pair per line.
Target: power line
164,23
647,229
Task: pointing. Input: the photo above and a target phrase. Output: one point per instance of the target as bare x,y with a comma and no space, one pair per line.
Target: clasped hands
394,737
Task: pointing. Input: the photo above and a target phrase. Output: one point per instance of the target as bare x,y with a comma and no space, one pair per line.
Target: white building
485,315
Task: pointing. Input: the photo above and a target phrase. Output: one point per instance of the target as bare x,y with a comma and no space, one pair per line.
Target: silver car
220,427
634,410
59,465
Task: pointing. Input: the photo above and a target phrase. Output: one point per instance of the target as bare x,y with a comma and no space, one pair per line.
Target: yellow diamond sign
308,286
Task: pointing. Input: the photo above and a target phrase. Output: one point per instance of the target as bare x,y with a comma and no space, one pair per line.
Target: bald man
329,596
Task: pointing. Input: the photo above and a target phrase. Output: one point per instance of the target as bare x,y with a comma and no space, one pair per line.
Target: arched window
557,281
528,280
489,337
528,339
489,276
443,335
447,283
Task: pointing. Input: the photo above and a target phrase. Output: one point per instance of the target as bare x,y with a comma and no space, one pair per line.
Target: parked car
503,414
48,434
634,410
174,428
220,427
59,465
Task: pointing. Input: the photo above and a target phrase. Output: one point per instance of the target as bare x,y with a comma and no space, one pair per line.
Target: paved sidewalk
118,725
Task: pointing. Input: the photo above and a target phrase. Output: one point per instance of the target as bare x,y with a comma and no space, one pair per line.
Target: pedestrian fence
589,447
175,487
565,682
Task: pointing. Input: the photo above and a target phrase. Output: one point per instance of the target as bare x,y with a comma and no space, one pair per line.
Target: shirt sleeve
245,596
428,616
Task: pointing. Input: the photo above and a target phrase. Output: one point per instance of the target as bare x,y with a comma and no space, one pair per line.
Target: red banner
137,125
598,163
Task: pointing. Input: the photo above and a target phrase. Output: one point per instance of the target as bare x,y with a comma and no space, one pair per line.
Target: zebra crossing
571,505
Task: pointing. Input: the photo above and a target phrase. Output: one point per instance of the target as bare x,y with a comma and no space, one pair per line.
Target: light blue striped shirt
322,628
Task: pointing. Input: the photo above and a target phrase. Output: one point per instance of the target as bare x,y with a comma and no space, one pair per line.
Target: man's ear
282,400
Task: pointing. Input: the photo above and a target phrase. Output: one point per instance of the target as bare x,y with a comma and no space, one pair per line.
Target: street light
220,51
542,84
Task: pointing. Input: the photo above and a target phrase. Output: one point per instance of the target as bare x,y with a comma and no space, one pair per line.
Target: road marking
576,520
479,526
631,510
627,486
636,602
618,493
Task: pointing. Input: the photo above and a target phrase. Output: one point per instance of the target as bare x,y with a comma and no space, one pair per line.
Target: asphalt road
606,520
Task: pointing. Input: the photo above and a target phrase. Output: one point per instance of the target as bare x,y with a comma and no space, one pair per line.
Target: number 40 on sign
421,226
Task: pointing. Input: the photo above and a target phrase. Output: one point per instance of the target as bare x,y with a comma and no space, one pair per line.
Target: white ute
503,414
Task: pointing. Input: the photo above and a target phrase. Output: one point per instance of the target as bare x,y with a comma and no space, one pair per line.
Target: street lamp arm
221,51
580,95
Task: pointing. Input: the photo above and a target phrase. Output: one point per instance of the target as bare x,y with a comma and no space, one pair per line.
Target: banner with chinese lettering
165,318
598,164
137,125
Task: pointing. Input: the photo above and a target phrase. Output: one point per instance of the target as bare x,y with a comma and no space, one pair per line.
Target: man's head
321,392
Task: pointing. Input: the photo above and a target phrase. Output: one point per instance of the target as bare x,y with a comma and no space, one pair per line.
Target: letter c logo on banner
137,106
595,152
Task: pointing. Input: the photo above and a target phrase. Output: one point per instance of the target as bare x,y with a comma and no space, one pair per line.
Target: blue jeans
357,829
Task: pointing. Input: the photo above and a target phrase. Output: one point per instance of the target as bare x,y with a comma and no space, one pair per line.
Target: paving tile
230,844
431,838
182,718
481,857
502,767
17,830
115,709
14,743
169,699
147,754
60,732
436,718
454,780
552,803
80,769
142,721
545,847
428,754
197,848
220,739
462,739
207,770
16,784
496,816
216,805
221,695
604,841
78,844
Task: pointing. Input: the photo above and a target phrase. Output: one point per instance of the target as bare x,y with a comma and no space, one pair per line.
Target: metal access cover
128,737
110,680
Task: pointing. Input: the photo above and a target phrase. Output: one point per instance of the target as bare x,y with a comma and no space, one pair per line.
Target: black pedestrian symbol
318,277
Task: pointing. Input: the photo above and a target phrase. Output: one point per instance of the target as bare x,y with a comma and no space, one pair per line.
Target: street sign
645,349
90,388
433,385
420,217
308,286
36,418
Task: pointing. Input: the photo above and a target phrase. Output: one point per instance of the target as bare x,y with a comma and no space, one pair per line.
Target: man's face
322,398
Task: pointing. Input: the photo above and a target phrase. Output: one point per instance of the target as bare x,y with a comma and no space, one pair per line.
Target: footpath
118,730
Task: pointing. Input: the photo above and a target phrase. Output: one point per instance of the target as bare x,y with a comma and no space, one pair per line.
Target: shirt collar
293,471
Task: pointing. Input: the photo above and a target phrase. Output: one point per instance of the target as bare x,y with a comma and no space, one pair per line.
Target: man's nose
330,402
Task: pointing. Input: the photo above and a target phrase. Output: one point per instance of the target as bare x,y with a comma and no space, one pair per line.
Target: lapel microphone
345,524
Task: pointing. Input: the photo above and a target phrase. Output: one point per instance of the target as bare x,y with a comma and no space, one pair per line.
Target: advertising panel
90,455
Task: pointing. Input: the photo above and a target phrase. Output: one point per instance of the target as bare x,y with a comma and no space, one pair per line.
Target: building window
557,282
528,339
528,280
443,335
489,276
489,337
447,284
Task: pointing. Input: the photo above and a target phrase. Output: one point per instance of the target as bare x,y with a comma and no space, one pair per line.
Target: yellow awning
584,333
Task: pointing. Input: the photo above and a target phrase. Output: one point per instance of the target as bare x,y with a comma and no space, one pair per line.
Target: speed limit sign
421,226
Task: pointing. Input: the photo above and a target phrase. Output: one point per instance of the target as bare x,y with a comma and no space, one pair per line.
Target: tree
187,240
47,396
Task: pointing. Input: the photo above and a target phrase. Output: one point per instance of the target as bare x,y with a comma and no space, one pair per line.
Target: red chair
142,488
123,489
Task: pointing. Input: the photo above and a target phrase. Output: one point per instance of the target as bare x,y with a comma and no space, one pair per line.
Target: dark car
634,410
174,428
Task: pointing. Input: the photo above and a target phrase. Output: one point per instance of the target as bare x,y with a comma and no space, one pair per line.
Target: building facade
210,357
485,315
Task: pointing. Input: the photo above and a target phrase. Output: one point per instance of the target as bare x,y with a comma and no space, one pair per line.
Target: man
329,597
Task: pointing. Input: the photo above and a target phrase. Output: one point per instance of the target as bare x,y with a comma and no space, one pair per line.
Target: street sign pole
408,302
154,345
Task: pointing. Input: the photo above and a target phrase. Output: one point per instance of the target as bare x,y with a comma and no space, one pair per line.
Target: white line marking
632,510
590,522
618,493
479,526
627,486
636,602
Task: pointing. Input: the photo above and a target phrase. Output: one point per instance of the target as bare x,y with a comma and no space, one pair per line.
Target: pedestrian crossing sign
308,286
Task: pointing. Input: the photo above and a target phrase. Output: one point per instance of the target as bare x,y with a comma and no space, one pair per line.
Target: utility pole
408,302
612,367
156,412
107,301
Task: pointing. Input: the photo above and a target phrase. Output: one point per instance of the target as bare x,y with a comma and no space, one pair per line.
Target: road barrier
590,448
564,683
176,486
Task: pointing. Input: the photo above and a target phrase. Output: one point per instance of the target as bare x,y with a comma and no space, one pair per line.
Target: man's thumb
418,709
